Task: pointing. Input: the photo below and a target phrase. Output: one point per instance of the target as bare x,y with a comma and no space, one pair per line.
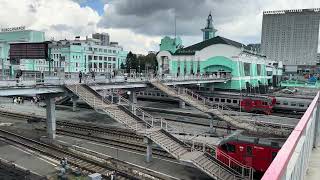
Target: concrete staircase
221,111
178,149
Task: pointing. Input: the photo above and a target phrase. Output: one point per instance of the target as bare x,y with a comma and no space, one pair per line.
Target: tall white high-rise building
291,36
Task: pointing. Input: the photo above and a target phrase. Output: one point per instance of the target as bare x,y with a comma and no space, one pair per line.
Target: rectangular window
231,148
114,59
247,69
95,57
113,66
100,50
105,58
228,100
100,57
249,150
216,99
259,69
109,58
90,48
105,50
89,57
222,100
95,49
235,101
114,51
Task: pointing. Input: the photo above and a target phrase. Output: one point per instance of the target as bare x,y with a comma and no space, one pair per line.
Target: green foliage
140,63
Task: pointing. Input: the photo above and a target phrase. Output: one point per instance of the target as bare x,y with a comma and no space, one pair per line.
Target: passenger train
254,152
249,103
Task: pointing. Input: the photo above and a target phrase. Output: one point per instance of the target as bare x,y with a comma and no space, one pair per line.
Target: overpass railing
292,160
38,79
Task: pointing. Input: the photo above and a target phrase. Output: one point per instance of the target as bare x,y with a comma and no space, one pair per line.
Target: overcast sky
139,25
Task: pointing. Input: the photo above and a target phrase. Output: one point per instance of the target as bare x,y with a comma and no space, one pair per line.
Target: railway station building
218,55
70,56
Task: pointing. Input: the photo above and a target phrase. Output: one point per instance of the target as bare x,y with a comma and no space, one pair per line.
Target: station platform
171,167
41,166
91,116
313,172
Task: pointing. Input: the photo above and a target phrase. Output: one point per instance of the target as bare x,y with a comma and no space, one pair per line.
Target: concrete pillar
74,103
149,149
182,104
51,117
133,100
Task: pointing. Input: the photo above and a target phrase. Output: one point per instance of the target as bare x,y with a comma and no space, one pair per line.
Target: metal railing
292,160
225,110
38,78
105,103
223,157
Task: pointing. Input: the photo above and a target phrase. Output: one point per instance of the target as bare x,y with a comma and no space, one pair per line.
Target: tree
131,62
122,66
141,63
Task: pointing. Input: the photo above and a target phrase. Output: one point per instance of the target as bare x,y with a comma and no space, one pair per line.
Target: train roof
238,137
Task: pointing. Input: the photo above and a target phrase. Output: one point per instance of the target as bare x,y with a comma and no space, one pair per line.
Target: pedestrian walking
93,76
80,76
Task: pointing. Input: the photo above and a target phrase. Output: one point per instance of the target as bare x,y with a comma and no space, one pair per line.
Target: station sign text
20,28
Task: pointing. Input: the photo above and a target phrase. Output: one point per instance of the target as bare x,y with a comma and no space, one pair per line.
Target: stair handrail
77,87
230,160
145,115
227,111
104,103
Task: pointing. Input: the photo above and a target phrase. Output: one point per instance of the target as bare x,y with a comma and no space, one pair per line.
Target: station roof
190,50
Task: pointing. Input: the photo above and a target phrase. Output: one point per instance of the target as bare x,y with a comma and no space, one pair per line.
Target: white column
51,117
133,100
149,149
74,103
182,104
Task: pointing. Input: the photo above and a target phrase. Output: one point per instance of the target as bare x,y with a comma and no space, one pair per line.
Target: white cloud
66,19
131,41
58,18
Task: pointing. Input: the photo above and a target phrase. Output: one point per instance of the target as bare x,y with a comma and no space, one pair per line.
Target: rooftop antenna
175,24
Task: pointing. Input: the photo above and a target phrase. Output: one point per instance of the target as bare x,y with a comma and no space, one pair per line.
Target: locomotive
254,152
260,104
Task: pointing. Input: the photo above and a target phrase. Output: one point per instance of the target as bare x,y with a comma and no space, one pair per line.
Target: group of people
17,100
93,76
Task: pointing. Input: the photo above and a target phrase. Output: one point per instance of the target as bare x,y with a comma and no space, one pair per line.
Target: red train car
263,105
257,153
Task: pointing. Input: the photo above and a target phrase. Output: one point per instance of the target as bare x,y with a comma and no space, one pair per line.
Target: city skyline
139,25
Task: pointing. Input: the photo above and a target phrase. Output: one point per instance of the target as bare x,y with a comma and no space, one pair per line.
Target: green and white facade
218,55
15,37
67,55
86,55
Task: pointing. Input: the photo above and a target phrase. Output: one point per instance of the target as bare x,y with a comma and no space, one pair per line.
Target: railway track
89,166
113,136
107,135
87,162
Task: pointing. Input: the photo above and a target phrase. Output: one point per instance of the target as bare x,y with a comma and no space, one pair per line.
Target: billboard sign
28,51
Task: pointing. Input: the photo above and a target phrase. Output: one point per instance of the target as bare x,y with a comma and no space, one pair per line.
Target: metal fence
292,160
